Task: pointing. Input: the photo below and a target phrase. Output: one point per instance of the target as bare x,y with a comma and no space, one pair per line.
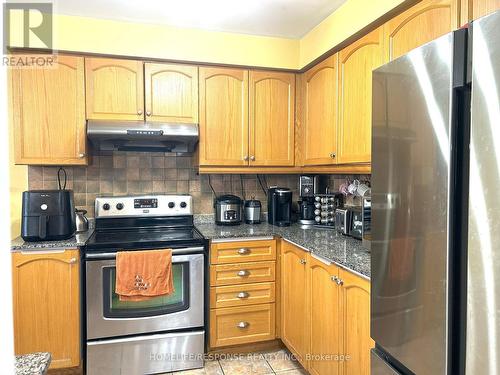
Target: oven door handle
180,251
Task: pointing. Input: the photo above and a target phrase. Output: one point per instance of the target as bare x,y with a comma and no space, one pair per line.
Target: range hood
142,136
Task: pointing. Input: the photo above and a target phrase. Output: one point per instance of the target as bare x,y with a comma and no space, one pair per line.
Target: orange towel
142,275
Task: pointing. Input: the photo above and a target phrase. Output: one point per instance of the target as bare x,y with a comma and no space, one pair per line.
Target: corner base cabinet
47,305
325,314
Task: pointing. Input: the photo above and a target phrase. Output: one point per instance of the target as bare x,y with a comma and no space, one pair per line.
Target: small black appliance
279,206
306,211
309,185
48,215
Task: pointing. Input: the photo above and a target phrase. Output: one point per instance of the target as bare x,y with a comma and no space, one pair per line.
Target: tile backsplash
122,173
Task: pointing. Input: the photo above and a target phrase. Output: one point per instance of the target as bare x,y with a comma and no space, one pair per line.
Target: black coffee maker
309,185
279,206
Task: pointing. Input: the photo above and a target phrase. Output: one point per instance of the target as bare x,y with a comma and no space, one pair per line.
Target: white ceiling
280,18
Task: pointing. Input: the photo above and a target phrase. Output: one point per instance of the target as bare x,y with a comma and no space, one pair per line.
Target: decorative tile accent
121,173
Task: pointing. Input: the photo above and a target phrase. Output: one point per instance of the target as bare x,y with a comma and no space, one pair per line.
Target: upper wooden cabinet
47,305
479,8
319,113
356,63
426,21
171,93
223,117
325,327
272,118
294,307
48,113
355,311
115,89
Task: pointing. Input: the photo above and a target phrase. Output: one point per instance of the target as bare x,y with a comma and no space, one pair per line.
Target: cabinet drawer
245,251
240,325
242,295
241,273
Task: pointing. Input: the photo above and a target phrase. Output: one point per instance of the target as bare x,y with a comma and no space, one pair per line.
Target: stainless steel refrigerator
435,295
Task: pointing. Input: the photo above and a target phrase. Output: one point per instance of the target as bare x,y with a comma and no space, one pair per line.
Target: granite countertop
32,364
18,244
325,244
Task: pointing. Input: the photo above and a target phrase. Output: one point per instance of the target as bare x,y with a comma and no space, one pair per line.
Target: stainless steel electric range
160,335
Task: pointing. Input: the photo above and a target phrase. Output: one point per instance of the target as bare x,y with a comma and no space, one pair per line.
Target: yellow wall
346,21
84,34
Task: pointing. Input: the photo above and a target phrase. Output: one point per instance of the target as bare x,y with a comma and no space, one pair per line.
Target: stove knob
119,206
183,204
106,206
171,204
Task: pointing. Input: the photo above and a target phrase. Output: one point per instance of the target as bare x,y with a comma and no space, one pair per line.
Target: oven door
107,316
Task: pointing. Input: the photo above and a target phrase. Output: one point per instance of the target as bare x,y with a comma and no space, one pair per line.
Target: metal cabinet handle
242,295
82,155
243,273
139,111
340,282
72,261
244,251
243,324
333,155
334,279
303,261
252,158
245,157
148,113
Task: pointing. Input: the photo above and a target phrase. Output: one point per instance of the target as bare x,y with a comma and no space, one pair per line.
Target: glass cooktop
144,238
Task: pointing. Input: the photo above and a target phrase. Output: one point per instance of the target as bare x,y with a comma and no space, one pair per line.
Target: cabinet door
48,113
223,117
325,318
47,305
420,24
171,93
294,310
115,89
272,119
355,96
481,8
355,311
319,113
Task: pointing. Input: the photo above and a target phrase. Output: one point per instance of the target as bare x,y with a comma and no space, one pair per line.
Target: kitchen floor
276,362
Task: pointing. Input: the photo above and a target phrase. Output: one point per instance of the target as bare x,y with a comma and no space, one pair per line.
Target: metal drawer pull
242,295
340,281
243,324
72,261
334,278
243,251
243,273
302,261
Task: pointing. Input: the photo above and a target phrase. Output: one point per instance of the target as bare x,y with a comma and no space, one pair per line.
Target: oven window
162,305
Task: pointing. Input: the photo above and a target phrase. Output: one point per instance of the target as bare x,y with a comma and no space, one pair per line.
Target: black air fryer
48,215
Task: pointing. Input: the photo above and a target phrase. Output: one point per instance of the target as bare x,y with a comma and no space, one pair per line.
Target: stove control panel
147,205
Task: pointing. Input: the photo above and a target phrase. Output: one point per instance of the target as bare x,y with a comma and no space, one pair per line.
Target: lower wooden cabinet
355,310
46,287
325,314
242,325
242,292
294,307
